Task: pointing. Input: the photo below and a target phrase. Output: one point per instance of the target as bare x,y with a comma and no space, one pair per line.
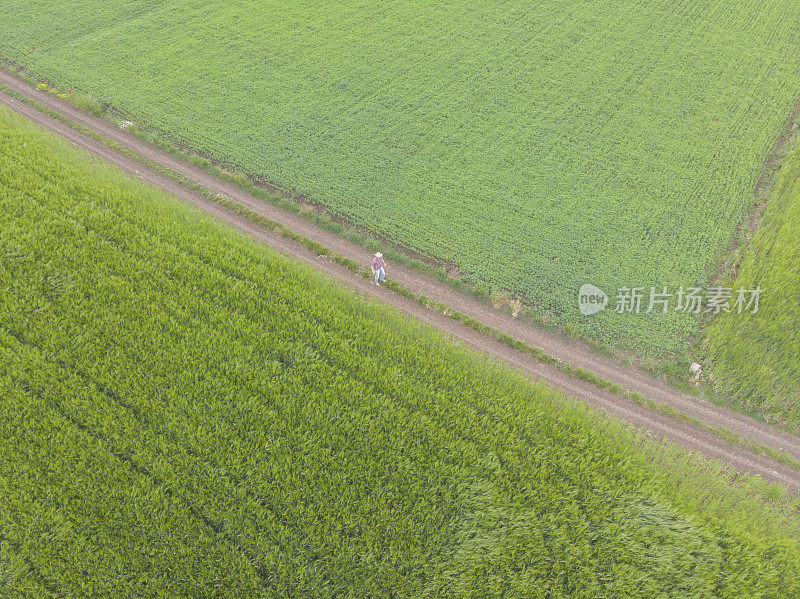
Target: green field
184,413
757,356
536,145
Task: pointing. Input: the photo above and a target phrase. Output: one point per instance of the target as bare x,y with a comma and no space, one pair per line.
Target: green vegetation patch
185,413
537,145
757,356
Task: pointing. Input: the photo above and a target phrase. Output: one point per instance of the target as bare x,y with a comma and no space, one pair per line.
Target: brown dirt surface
571,352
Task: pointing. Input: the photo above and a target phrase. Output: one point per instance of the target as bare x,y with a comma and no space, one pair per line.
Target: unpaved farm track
573,353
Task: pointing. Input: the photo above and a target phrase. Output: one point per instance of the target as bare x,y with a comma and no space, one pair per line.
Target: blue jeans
380,274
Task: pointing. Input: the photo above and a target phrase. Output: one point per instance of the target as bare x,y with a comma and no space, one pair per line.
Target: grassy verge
535,352
247,425
500,299
398,151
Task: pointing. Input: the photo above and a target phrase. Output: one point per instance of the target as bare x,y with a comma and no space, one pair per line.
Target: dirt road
570,352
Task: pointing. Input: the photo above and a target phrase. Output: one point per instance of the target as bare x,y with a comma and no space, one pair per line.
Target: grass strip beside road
781,457
247,424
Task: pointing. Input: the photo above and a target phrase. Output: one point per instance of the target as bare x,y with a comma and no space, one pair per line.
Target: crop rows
185,413
538,146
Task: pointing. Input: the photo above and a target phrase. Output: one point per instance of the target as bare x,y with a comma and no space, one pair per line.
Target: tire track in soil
570,352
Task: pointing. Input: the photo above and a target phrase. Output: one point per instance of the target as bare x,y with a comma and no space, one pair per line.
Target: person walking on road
379,268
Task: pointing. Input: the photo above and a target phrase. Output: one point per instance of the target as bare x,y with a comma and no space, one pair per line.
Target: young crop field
185,413
537,146
757,356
